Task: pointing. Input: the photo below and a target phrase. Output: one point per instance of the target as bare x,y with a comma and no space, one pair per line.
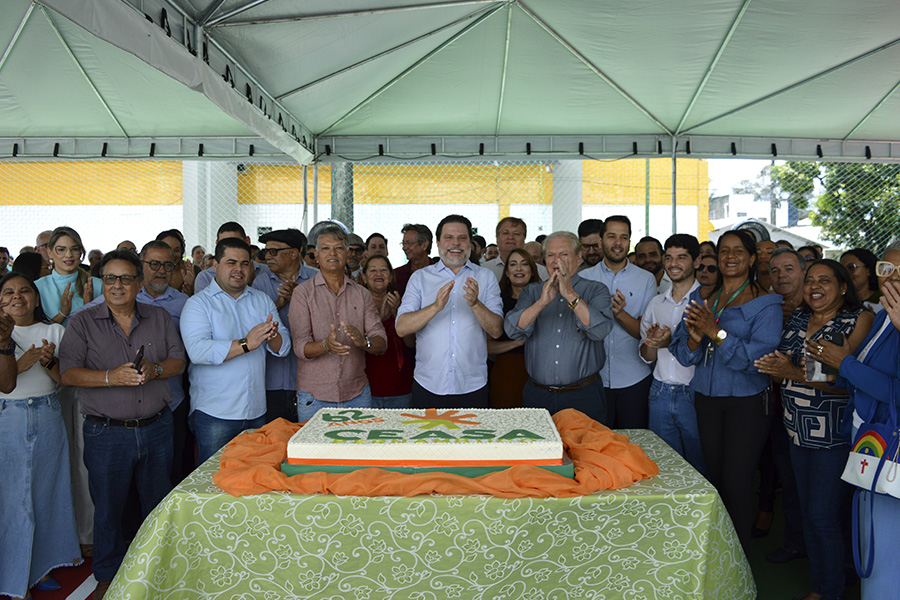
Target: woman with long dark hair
39,531
508,374
68,287
860,263
725,329
818,452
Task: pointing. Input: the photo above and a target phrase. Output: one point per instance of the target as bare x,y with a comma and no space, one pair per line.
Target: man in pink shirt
333,324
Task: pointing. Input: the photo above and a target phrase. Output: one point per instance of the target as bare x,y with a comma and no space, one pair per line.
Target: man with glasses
589,232
283,251
128,423
416,245
228,328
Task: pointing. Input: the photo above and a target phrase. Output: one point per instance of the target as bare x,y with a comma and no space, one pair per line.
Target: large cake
426,439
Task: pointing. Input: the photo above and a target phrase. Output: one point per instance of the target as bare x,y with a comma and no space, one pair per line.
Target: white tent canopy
450,79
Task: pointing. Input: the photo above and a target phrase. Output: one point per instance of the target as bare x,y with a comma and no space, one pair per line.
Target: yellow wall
91,182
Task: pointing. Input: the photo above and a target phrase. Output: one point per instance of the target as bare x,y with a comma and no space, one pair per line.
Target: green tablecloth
664,538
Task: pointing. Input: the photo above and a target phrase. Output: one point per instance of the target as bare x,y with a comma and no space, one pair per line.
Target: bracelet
327,351
107,378
574,302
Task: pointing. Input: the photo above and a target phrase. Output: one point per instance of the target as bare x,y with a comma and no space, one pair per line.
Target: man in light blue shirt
450,306
284,251
227,329
626,378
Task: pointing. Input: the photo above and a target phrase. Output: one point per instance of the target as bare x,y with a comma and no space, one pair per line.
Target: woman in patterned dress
813,412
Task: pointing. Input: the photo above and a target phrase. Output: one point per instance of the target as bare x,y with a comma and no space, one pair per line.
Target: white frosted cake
427,438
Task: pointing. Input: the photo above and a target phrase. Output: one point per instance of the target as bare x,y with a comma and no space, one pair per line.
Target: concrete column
342,193
567,185
209,198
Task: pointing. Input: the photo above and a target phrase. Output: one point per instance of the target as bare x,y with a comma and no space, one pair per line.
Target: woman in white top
39,532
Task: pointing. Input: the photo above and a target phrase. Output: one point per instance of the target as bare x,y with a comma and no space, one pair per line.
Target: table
664,538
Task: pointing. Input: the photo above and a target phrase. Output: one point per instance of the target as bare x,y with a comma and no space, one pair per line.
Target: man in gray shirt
563,321
128,424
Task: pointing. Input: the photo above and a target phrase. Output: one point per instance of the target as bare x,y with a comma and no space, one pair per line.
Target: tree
857,203
765,189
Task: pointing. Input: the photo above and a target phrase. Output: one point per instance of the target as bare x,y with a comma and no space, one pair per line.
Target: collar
440,266
319,279
168,293
686,297
628,266
104,313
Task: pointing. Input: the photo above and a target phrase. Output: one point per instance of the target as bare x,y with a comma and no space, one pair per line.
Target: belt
562,389
127,424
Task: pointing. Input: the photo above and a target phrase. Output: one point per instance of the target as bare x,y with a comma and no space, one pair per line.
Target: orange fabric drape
603,460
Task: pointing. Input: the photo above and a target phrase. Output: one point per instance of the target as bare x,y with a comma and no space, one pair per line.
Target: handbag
873,467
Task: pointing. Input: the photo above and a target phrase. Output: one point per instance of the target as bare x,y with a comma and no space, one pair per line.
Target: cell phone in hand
139,359
836,338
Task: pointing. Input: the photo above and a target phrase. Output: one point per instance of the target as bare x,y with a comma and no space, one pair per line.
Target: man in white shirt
672,415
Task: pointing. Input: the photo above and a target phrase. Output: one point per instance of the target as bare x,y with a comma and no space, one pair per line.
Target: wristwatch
10,349
720,336
158,369
368,343
244,346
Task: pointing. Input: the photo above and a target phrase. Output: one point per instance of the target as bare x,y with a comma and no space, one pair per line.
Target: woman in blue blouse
812,415
68,287
725,329
872,376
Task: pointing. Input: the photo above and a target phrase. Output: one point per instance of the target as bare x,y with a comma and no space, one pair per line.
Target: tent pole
315,193
674,187
303,225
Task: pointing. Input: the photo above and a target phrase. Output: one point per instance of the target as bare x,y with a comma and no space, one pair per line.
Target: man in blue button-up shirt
227,329
284,251
450,306
626,378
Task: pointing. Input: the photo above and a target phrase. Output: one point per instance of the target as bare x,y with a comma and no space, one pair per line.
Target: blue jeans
674,419
307,405
823,503
213,433
38,522
114,456
404,401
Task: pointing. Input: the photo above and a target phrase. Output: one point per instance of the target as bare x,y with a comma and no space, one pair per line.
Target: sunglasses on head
711,268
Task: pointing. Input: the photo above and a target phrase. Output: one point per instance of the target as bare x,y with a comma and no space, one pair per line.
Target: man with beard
672,415
450,306
648,256
283,252
589,232
626,378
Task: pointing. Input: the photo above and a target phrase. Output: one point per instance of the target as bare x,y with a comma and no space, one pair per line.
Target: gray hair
156,245
797,256
333,231
573,239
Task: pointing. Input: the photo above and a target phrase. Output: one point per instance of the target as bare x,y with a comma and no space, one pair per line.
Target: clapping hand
284,294
618,303
28,359
266,330
332,346
443,296
470,291
389,305
777,364
699,317
891,301
358,339
658,336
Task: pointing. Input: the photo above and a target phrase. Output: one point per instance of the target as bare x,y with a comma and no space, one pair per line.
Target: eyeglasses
356,250
852,267
273,251
155,265
125,279
409,244
884,269
713,269
62,250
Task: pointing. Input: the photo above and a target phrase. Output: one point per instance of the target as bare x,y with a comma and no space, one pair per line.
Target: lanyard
730,300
